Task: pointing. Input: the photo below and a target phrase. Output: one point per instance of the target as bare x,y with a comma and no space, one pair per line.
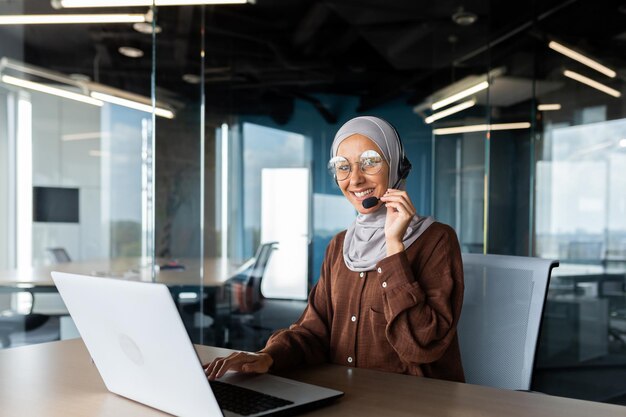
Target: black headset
404,167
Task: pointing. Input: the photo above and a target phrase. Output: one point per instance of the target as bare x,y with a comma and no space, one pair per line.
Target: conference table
596,274
181,282
215,272
59,379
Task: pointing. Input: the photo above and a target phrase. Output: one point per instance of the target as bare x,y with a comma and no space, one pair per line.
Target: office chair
616,296
246,288
244,296
59,255
499,325
12,322
234,304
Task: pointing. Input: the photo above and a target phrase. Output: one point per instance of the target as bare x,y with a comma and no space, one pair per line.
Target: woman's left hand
400,211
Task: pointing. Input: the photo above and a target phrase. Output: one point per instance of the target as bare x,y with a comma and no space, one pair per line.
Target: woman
391,286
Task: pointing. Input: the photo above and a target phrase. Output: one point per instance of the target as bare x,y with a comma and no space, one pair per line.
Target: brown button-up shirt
399,317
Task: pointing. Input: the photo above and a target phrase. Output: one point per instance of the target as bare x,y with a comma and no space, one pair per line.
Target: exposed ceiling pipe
513,32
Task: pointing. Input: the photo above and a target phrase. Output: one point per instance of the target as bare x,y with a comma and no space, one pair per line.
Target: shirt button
384,284
349,359
362,274
380,270
353,318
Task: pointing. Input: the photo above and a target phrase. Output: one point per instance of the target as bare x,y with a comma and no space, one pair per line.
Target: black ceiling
260,57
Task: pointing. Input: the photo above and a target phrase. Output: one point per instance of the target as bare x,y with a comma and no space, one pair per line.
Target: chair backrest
252,299
59,255
499,325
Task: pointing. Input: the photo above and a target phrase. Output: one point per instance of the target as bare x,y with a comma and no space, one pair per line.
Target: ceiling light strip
450,111
133,3
510,126
461,94
481,128
549,107
6,63
85,136
42,88
99,153
577,56
592,83
168,114
52,19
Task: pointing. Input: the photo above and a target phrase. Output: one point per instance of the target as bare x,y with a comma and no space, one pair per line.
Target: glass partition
579,207
553,184
77,145
187,261
460,186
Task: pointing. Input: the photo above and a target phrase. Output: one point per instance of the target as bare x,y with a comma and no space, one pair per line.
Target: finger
226,364
209,366
400,208
396,194
398,202
253,362
216,365
235,363
399,193
395,191
211,371
399,197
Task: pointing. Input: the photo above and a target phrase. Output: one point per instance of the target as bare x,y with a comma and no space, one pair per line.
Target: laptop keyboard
244,401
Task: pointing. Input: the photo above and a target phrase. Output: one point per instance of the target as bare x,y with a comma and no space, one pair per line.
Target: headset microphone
370,202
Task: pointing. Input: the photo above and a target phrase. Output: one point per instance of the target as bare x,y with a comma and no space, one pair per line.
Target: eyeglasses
370,163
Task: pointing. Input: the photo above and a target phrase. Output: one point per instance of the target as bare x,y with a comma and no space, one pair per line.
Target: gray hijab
364,245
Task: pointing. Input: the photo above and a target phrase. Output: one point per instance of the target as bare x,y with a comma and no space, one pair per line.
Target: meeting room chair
59,255
245,298
26,324
501,316
615,293
234,304
13,322
246,291
43,308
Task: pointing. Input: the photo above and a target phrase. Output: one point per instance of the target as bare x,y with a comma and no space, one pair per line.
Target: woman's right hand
258,363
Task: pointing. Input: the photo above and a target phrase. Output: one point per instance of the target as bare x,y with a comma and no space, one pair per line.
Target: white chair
499,325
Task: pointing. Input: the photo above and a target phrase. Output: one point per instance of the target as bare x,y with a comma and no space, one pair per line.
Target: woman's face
359,186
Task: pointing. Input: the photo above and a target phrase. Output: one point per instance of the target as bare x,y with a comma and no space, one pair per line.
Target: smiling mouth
363,194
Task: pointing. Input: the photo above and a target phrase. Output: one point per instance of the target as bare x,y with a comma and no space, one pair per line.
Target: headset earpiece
404,167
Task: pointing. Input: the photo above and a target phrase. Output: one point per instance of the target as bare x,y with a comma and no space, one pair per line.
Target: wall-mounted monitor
55,205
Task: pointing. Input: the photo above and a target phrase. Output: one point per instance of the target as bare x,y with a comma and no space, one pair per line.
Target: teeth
364,193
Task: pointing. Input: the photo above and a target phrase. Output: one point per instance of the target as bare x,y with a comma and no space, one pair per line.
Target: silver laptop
139,344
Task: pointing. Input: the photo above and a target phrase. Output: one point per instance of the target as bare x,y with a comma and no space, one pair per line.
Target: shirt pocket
380,354
378,322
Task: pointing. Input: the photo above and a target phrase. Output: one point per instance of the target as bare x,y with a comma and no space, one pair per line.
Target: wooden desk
216,271
58,379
